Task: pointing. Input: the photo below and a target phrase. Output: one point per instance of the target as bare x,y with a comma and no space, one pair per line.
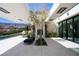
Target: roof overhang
59,9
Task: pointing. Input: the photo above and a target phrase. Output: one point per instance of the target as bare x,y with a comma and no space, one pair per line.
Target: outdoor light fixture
3,10
67,13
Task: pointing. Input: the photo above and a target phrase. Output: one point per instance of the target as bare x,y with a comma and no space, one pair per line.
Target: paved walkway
66,43
53,49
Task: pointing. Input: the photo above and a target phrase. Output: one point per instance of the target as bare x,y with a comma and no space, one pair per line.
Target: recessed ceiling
4,10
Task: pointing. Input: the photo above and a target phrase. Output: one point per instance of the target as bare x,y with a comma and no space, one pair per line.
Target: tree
37,19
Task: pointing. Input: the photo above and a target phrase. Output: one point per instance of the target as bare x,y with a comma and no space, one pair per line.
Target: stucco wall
52,27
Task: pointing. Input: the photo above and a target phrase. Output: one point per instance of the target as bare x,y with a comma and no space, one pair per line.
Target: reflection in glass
70,29
60,29
76,29
64,29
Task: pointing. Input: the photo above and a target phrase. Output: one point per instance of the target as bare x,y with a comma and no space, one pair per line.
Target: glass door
64,29
60,29
70,29
76,29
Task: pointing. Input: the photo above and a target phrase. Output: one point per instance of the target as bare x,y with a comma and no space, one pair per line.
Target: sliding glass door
76,29
64,29
60,29
70,29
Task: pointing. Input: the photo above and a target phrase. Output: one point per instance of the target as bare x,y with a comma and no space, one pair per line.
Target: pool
8,36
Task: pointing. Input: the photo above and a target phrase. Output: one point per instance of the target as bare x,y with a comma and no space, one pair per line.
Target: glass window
64,29
76,29
70,29
60,29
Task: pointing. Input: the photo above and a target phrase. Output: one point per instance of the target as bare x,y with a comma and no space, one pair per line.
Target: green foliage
12,31
52,34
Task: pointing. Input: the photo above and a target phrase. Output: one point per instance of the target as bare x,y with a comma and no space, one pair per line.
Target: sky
37,6
3,20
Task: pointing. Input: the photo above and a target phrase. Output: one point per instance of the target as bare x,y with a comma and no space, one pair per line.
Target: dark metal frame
67,28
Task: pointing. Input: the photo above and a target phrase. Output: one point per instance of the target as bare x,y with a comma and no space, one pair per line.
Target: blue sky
3,20
37,6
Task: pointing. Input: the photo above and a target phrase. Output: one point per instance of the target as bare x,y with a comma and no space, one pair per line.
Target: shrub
52,34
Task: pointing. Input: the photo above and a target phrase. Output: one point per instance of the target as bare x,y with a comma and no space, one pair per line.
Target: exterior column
43,30
35,31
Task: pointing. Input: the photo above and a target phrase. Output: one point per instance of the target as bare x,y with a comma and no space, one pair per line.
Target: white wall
51,26
18,11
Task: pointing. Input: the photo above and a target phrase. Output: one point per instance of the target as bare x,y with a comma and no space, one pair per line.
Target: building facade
67,22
